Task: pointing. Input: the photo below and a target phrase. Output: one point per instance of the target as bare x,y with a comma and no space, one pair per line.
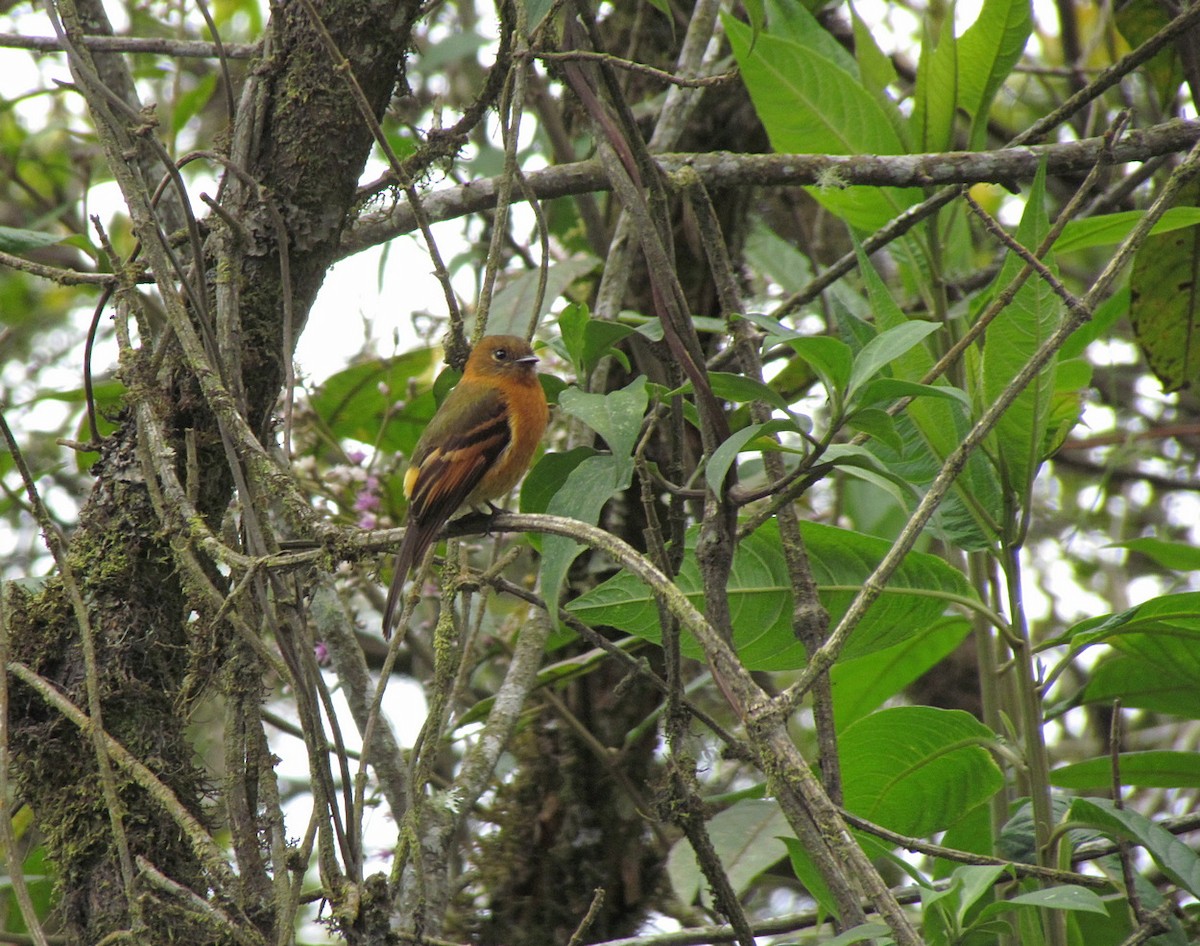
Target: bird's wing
452,460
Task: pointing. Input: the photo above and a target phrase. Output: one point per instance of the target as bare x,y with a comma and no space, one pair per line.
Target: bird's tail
417,539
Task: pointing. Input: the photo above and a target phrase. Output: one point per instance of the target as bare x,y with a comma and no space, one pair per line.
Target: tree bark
303,140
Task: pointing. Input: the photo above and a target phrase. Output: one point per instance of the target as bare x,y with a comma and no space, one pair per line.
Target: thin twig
176,48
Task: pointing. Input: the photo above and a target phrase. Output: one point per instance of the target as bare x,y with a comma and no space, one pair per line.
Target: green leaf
874,64
359,403
880,390
600,340
1072,380
514,310
572,322
1178,861
1145,683
829,357
586,341
965,516
1111,229
739,389
1159,621
535,12
862,463
777,258
885,348
917,769
746,838
972,883
806,872
727,452
876,423
617,417
1165,302
191,101
588,487
864,683
1179,556
935,95
987,51
1032,316
1138,21
760,595
453,47
931,430
1152,769
860,934
973,833
1065,897
548,476
13,240
811,101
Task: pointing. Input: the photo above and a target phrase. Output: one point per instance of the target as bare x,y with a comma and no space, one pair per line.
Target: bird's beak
528,360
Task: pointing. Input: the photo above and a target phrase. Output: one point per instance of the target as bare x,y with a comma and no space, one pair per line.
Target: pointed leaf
1154,769
760,595
916,769
1065,897
1165,303
987,51
1177,860
935,95
726,453
14,240
746,837
1019,331
812,101
886,348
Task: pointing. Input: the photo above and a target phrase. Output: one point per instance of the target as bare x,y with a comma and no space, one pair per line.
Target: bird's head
501,356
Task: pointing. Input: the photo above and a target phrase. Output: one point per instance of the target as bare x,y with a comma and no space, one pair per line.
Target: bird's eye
500,354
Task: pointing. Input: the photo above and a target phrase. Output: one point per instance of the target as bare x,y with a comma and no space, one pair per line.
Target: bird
474,450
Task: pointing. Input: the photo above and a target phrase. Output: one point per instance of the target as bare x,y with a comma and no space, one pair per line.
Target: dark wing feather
449,473
463,441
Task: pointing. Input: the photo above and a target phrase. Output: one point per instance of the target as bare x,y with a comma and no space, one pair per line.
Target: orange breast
527,418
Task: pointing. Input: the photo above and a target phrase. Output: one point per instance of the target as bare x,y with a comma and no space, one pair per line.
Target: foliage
862,603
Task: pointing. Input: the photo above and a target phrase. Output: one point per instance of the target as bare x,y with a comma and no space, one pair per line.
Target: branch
178,48
724,169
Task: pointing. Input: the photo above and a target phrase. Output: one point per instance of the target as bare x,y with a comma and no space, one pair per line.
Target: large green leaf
1157,660
13,240
1164,304
874,65
1179,556
760,596
889,345
387,402
862,684
987,51
936,92
812,101
1064,897
1141,683
1138,21
930,429
1032,316
514,308
1178,861
746,837
1155,769
917,769
617,417
1111,229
